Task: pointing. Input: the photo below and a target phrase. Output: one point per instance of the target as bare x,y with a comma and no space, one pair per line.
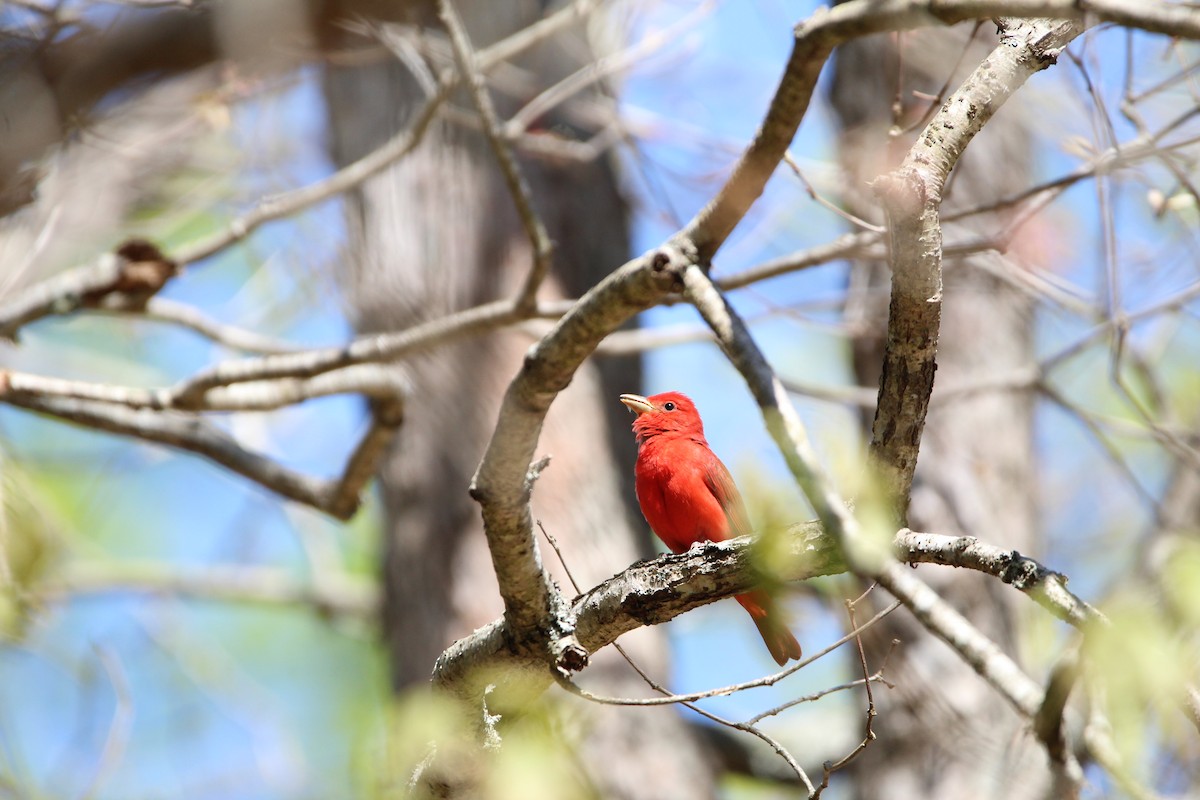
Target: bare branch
518,187
828,768
339,498
912,197
1046,587
363,350
160,309
131,275
656,591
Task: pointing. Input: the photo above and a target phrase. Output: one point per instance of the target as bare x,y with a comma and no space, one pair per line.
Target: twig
129,276
812,193
160,309
829,767
363,350
734,688
846,246
1114,454
373,381
770,740
809,698
518,187
191,433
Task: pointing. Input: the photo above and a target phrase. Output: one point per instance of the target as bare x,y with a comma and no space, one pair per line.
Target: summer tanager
688,496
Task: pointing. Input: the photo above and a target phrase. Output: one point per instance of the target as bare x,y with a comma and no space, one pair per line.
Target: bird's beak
636,403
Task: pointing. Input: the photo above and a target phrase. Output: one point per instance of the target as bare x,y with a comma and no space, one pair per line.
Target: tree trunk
437,233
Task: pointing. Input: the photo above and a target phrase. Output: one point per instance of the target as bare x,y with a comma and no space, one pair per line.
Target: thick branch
652,592
501,484
660,589
912,197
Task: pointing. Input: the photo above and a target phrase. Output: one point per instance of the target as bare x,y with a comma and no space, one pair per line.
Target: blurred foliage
1140,662
30,544
429,738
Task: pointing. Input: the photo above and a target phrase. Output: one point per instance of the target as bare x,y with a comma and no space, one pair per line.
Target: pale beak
636,403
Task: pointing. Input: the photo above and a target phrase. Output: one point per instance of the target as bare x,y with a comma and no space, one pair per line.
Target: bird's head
669,413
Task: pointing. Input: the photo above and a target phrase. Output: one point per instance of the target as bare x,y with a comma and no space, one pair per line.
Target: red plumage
687,495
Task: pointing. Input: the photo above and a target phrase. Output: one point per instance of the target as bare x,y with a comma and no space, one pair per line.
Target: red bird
688,496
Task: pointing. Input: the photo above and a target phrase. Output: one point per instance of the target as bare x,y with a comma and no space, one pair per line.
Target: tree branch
912,197
518,187
658,590
1045,586
128,277
185,431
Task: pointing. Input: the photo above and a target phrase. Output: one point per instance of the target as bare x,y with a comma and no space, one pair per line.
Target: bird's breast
675,497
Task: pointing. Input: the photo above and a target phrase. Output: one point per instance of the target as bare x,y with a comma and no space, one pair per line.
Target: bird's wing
721,484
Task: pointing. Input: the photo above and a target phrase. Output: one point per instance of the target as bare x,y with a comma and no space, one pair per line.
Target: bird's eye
669,406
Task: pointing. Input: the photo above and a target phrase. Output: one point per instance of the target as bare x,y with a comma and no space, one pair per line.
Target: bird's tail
772,625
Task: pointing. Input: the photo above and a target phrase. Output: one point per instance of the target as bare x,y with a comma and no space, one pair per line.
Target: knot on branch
567,655
1021,572
670,260
902,192
142,271
342,506
572,657
388,412
535,471
964,543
